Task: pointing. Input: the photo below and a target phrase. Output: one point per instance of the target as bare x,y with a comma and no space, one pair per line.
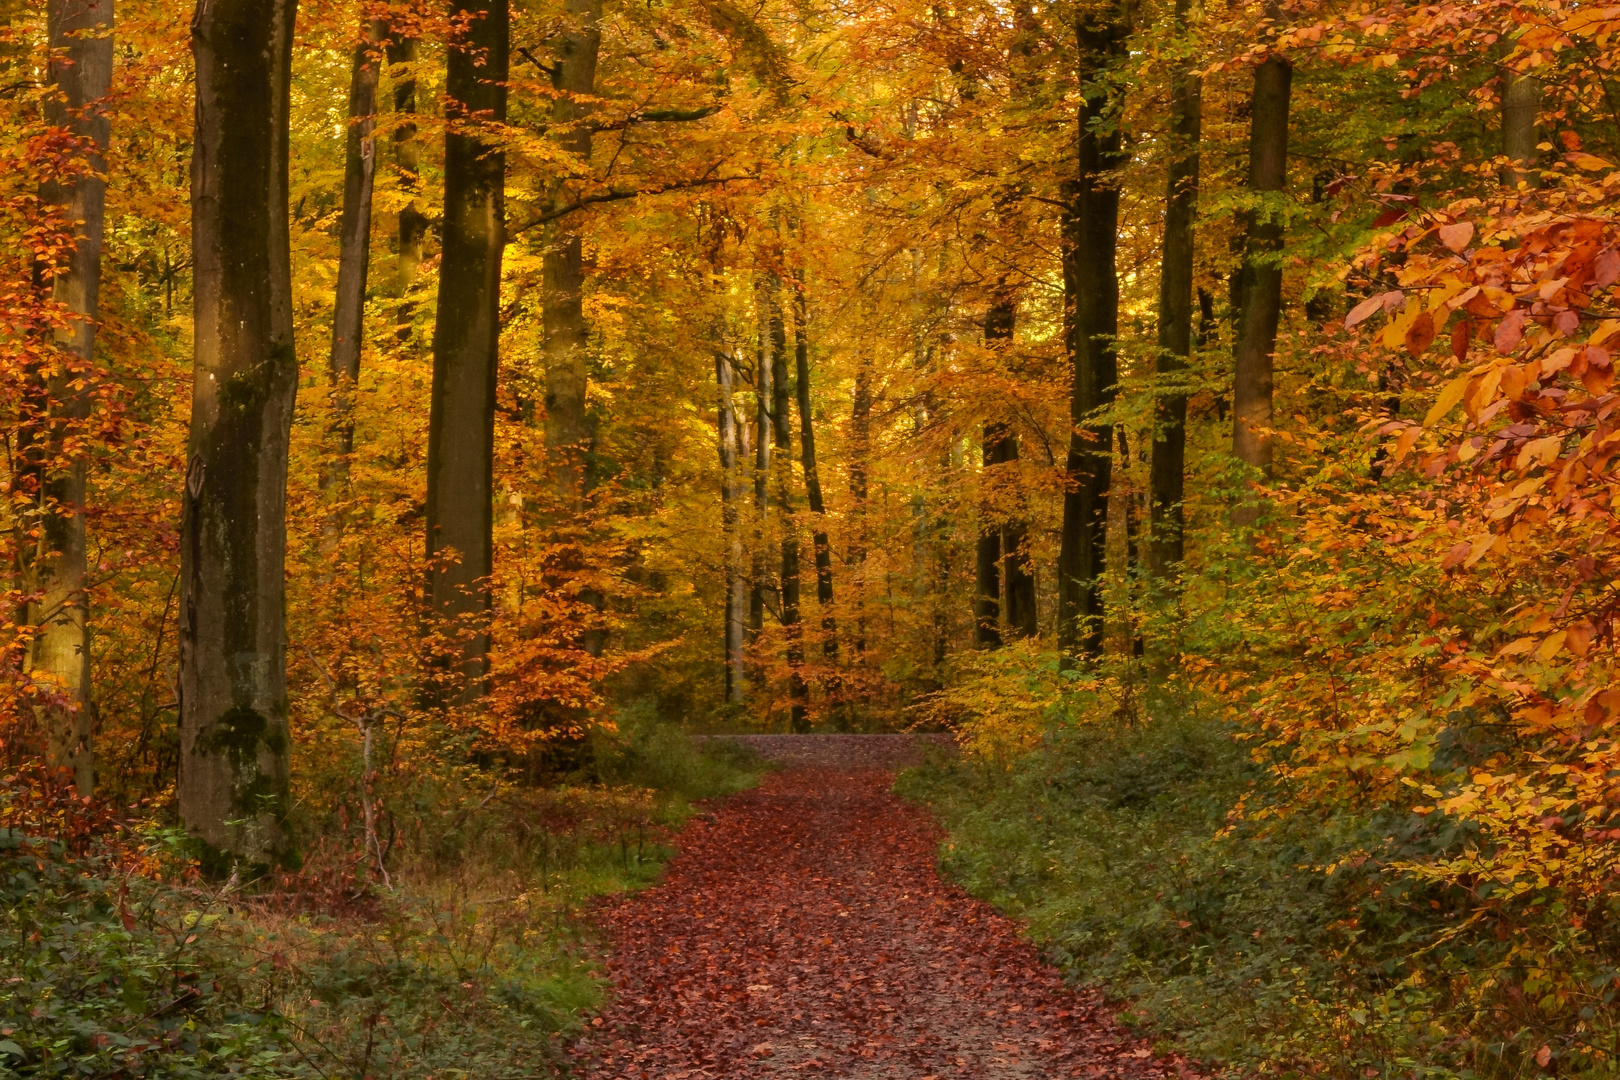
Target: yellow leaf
1450,394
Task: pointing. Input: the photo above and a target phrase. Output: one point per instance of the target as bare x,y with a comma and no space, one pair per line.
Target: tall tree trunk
233,646
1262,275
466,340
762,472
782,437
1521,106
1168,467
79,33
731,521
566,333
1091,311
354,253
411,228
812,475
860,459
998,442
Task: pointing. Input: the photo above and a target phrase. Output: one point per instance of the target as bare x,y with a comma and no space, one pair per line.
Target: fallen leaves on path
802,931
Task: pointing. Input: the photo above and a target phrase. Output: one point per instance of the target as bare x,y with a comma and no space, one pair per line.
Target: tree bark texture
812,476
731,521
1262,275
763,391
233,683
354,253
782,438
411,227
1521,107
1091,310
1000,445
79,33
466,340
568,434
1168,464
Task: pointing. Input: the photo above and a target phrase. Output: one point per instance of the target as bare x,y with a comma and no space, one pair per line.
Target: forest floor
803,930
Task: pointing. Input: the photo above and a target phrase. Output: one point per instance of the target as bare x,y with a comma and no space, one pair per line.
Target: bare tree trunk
812,476
1168,467
81,43
1091,310
1521,107
412,223
1262,276
762,472
233,647
354,254
566,333
466,340
860,458
782,436
730,500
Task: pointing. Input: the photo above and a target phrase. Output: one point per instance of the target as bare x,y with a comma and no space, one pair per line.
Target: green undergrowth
472,961
1256,939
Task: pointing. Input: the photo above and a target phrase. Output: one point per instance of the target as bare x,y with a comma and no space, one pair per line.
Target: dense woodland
1203,408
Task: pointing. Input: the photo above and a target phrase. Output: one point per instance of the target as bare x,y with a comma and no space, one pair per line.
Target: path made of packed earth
802,930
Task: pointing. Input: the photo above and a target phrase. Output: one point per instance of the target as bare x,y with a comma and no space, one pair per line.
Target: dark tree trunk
812,476
567,335
731,521
782,437
1091,310
233,647
466,339
1167,469
412,223
987,554
762,473
81,43
860,457
354,254
1262,275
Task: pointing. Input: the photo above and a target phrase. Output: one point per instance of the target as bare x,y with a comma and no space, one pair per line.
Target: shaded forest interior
420,418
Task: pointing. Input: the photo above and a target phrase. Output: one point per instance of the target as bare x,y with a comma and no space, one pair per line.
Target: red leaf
1510,331
1457,235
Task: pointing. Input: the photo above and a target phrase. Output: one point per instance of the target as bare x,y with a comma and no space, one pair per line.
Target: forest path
803,931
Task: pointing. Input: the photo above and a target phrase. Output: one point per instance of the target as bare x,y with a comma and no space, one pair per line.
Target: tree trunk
1168,467
782,436
354,254
466,340
1091,310
1521,106
730,500
81,43
762,473
568,434
860,458
1262,274
412,223
812,476
1000,445
233,647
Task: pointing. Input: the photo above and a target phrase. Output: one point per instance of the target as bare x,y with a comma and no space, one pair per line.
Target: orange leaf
1420,335
1457,235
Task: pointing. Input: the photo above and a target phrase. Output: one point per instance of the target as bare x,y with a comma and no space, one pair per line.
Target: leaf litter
803,930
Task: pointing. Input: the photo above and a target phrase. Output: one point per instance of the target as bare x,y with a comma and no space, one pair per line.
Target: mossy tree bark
466,341
781,438
1521,108
411,225
731,455
1261,290
79,33
1168,466
233,687
1091,317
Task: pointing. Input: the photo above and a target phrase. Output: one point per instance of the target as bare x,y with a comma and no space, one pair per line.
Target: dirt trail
802,930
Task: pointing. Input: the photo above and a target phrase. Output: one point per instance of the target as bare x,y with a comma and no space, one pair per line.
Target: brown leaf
1456,235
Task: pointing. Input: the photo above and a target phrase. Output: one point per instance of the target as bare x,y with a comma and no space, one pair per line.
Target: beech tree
234,741
466,347
79,35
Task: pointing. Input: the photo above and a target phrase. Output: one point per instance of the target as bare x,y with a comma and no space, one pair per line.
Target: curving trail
802,931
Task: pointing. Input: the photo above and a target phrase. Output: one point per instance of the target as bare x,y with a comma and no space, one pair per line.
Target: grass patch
476,963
